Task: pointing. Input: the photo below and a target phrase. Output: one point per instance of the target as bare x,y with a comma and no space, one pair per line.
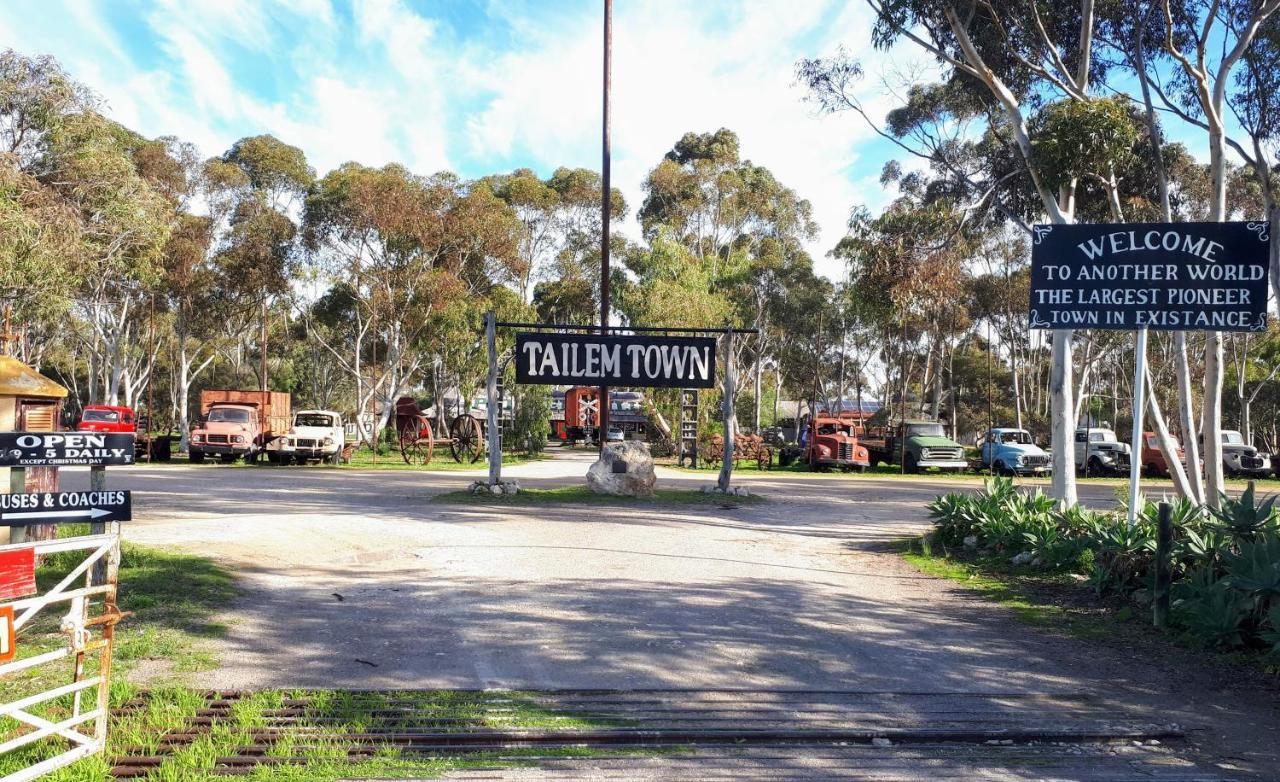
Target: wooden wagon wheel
466,439
417,442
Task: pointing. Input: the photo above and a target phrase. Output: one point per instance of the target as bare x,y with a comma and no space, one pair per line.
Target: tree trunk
727,411
1063,426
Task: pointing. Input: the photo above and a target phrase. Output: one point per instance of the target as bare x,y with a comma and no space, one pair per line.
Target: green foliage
531,423
1226,564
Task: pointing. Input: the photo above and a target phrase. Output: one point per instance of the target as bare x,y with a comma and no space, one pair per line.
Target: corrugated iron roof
18,379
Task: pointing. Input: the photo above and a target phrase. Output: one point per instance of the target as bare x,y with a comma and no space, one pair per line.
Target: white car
315,436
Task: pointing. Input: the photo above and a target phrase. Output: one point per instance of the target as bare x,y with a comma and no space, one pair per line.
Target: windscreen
229,415
102,416
925,430
313,419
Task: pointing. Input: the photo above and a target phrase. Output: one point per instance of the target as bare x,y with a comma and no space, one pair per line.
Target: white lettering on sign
68,439
1168,241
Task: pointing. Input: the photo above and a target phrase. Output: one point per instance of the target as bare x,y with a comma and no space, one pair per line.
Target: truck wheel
273,458
912,466
999,469
1096,467
197,457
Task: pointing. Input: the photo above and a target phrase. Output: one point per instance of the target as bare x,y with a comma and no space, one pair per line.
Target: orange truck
1153,461
833,442
238,424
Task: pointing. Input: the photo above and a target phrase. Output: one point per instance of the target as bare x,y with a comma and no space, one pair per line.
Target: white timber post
1139,407
494,431
726,409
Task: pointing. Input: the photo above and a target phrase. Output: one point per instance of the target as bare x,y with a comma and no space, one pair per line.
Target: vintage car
314,436
1100,452
1013,452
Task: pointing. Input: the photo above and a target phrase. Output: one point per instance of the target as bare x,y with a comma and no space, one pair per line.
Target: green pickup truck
927,445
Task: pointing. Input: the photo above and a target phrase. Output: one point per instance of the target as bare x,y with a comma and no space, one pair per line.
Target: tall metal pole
493,402
605,211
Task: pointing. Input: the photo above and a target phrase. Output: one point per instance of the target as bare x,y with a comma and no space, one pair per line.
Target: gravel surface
357,579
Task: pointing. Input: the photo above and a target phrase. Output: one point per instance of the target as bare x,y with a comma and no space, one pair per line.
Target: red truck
833,442
1153,461
107,418
238,424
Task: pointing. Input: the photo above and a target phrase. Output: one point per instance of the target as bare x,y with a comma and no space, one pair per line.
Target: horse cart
746,448
420,434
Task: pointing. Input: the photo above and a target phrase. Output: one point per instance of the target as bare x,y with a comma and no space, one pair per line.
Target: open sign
56,449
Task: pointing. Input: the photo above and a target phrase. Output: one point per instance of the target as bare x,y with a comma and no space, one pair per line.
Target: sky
482,86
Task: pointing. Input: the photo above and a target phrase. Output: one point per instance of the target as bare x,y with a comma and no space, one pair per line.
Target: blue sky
477,86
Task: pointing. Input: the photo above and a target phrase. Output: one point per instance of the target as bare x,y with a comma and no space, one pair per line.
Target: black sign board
60,449
593,359
64,507
1164,276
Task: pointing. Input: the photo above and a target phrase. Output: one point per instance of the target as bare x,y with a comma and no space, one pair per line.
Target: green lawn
387,459
581,495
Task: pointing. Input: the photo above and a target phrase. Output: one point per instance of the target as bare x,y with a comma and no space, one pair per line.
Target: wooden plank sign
17,573
65,507
8,638
58,449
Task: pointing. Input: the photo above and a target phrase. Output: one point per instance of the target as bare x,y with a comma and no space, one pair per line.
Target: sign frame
1161,276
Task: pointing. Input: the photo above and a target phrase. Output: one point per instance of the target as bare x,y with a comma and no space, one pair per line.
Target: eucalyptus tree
402,249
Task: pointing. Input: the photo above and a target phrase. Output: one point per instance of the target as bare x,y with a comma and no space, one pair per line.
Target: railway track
663,734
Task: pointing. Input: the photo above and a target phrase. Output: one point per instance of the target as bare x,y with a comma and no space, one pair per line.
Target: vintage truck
1239,458
833,442
121,419
926,445
1153,462
1099,452
238,424
315,436
1013,452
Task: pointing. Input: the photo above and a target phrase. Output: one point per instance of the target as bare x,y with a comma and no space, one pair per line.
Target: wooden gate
67,722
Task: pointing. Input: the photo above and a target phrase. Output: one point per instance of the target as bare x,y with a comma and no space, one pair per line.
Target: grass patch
173,597
363,459
581,495
312,746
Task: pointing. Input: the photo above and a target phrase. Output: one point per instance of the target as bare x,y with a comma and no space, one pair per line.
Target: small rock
496,490
1022,559
1153,742
1037,562
881,742
971,541
1006,742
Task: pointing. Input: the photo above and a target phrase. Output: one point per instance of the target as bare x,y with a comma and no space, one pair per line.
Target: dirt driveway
358,579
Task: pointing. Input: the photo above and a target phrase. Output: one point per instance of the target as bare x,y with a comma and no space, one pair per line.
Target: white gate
80,727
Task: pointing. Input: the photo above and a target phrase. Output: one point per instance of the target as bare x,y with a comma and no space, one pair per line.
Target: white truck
1240,458
1100,452
314,436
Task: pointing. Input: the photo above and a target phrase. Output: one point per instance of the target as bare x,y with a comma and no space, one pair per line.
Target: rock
496,489
624,469
1022,559
881,742
971,541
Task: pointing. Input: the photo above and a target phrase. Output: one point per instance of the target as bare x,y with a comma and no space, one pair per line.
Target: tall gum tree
1018,54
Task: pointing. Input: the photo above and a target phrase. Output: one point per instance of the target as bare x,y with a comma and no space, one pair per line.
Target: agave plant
1255,569
1210,609
1245,518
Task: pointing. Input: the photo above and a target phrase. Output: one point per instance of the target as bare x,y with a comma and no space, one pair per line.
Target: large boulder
624,469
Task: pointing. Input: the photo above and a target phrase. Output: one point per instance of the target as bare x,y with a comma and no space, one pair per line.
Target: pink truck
238,424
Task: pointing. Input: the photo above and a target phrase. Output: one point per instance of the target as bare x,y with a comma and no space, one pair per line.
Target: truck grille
306,443
1035,461
1251,462
942,453
846,452
218,439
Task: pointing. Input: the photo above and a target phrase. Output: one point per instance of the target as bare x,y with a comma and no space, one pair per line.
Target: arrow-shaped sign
65,507
93,514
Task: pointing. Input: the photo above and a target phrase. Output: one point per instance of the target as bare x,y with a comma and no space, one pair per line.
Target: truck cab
107,418
230,431
833,442
1240,458
1153,462
314,436
1100,452
1013,452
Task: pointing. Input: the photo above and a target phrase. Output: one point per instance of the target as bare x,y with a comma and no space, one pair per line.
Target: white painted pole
491,392
1139,408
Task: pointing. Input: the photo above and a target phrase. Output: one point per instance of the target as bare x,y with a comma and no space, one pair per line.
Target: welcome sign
1162,276
592,359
